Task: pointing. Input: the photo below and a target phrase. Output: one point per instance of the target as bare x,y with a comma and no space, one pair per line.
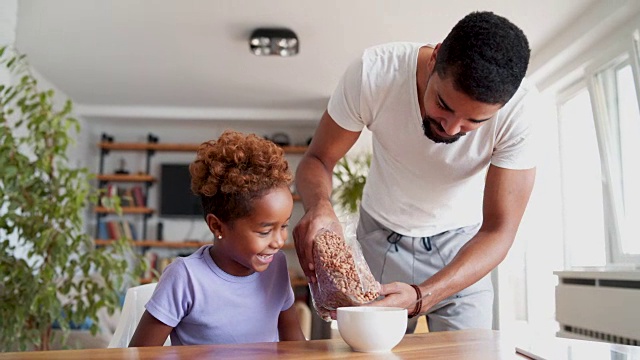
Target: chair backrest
304,316
132,310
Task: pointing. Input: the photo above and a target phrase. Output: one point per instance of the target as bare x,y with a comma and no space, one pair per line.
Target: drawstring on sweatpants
426,242
397,238
394,238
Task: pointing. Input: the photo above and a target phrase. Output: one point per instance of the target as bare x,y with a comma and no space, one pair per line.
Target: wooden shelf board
125,210
156,243
294,149
176,147
126,178
299,282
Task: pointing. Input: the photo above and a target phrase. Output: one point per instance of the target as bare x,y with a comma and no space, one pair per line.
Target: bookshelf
140,211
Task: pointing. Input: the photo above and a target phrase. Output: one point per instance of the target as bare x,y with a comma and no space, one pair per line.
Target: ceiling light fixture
274,41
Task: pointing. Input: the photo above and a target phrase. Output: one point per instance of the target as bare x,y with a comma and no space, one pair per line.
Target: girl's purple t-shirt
205,305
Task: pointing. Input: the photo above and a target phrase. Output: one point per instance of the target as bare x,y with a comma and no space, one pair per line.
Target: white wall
8,22
8,26
8,19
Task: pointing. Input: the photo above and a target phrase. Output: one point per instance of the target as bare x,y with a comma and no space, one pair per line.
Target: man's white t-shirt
417,187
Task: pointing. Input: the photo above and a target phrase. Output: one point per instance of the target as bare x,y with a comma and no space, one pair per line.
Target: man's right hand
316,218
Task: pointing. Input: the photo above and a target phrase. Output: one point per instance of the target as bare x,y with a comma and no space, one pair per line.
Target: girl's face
250,243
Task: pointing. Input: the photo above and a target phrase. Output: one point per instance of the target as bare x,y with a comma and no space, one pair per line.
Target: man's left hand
396,294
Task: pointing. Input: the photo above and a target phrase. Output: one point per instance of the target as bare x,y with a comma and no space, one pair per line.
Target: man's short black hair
486,55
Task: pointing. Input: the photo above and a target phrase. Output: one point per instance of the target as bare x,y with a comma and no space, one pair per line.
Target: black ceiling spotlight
273,41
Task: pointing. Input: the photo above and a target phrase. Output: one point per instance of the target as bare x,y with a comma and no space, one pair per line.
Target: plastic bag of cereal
343,276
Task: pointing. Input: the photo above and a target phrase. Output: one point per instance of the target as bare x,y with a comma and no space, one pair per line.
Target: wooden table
466,344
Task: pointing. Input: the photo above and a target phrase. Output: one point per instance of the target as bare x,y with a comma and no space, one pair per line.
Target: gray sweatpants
394,257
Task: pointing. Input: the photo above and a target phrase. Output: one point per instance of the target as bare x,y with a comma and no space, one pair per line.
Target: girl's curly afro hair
231,172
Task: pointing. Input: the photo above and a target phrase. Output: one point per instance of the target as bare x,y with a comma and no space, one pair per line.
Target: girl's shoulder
183,267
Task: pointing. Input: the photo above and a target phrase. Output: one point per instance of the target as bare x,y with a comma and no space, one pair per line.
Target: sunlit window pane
581,184
629,121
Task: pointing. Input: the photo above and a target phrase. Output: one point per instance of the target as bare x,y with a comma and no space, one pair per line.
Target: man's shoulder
527,93
528,86
393,48
387,59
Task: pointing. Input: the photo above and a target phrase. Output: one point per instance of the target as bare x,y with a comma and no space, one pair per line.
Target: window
618,130
629,123
599,135
583,214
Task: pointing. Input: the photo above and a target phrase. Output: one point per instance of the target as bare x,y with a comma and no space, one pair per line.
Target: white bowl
372,329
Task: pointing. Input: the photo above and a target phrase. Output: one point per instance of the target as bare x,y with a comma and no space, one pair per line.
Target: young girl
236,290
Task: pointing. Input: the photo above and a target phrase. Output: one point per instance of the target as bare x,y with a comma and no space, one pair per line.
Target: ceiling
190,59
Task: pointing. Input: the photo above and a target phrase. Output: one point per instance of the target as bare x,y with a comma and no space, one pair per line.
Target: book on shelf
126,197
113,230
129,196
150,257
134,233
117,229
138,195
126,227
102,230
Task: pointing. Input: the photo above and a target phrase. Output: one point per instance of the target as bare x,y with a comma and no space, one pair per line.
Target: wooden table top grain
465,344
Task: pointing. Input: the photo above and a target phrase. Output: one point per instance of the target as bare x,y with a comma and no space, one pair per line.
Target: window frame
566,94
597,77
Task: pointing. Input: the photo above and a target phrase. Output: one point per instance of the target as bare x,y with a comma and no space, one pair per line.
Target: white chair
132,310
304,316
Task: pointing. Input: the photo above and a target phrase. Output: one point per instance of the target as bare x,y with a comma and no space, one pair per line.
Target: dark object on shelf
160,231
281,139
176,198
309,140
106,138
122,170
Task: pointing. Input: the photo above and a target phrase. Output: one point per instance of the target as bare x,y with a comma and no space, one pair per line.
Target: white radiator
599,304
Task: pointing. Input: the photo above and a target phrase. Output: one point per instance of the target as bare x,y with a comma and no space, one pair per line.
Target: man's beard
427,121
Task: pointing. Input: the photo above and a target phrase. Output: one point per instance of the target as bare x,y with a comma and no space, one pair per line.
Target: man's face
451,114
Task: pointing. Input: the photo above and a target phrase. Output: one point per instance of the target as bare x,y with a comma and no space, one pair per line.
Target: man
452,166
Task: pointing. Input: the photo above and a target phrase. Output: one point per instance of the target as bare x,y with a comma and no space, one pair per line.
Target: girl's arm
289,326
152,332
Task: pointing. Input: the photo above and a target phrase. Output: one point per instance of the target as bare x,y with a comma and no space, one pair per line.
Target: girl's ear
215,225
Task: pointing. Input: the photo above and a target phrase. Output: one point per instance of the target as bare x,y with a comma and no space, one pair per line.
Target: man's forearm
313,182
474,260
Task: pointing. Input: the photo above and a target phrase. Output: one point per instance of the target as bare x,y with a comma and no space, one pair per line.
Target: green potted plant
350,174
50,270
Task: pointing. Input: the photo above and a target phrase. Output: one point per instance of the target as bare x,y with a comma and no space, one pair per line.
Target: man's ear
434,56
215,225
